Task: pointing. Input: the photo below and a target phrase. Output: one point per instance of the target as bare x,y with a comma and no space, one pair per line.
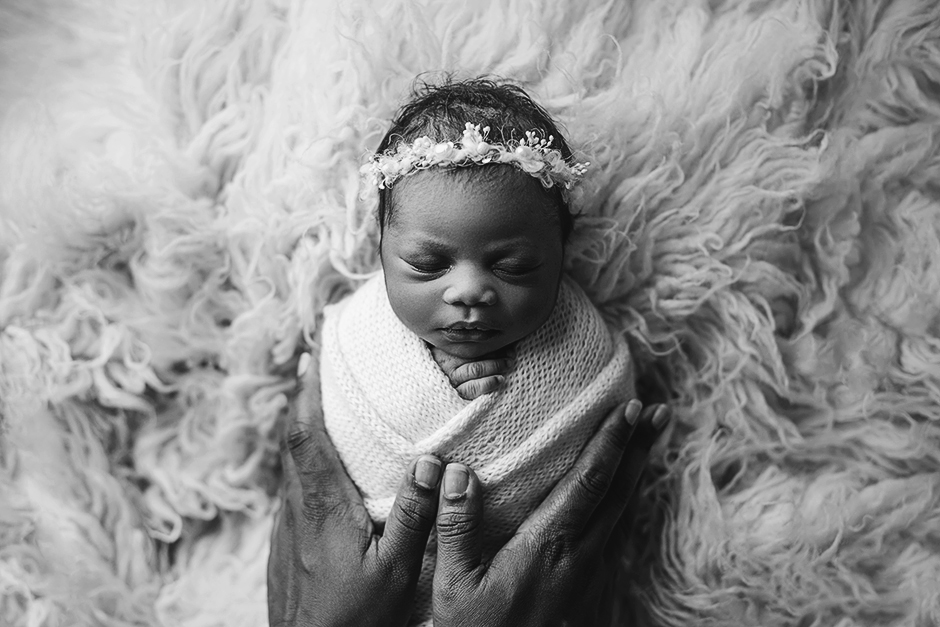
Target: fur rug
179,199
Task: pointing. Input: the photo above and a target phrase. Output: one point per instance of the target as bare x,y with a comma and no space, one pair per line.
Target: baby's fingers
478,387
479,370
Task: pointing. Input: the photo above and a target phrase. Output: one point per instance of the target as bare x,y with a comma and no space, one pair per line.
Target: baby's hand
474,378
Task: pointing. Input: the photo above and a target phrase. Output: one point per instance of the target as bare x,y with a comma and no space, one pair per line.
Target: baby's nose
469,288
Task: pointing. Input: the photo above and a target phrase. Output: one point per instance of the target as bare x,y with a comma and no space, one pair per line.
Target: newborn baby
471,345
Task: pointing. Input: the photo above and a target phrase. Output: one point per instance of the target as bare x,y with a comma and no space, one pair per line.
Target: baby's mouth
468,332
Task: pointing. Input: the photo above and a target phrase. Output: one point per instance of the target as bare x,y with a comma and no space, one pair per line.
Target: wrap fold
386,401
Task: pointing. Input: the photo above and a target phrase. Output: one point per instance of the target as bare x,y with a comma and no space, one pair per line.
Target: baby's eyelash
429,266
516,269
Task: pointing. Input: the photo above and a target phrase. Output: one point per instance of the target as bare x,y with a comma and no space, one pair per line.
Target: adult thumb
413,514
459,524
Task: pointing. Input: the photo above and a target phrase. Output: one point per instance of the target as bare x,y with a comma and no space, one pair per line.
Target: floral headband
533,155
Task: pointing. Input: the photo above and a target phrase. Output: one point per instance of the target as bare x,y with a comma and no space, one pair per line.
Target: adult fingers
459,526
327,490
479,370
572,502
296,427
305,406
652,422
478,387
413,515
281,576
308,402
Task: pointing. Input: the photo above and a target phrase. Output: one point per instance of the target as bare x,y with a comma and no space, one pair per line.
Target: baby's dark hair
442,111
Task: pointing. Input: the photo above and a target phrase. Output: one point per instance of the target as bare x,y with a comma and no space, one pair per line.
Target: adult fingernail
456,480
632,412
302,364
660,417
500,379
427,472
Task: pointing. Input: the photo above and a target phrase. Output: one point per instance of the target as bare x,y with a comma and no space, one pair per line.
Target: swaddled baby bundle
386,401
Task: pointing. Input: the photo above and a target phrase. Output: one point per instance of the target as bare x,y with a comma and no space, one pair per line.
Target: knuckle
620,436
487,385
476,369
297,438
593,483
413,513
617,433
557,551
459,375
470,390
455,524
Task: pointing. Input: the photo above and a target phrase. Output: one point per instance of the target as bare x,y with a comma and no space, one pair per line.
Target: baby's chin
471,351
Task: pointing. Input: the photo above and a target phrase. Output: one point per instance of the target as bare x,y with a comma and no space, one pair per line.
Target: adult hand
540,575
328,566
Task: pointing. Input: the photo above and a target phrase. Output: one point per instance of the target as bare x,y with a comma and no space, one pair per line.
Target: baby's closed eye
515,269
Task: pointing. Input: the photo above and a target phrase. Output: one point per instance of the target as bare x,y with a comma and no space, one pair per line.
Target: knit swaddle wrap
386,401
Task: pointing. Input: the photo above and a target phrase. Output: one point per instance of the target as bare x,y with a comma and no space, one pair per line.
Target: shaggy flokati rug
179,189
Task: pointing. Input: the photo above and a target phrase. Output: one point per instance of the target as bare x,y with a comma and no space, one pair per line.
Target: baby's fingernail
302,364
456,480
427,472
660,417
632,411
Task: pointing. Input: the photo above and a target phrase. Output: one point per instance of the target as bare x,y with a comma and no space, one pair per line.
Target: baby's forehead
492,208
466,181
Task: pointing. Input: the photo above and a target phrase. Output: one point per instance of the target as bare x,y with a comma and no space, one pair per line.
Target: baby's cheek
529,310
413,304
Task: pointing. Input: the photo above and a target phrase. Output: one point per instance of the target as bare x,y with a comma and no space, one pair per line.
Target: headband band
533,155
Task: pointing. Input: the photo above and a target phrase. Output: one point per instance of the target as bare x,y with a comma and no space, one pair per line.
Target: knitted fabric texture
386,401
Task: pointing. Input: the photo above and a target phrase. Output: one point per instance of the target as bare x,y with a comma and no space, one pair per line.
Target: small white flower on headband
533,155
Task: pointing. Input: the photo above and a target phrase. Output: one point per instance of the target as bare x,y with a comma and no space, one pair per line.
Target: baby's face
472,263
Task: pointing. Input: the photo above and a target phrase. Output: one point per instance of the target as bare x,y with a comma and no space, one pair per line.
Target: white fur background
179,198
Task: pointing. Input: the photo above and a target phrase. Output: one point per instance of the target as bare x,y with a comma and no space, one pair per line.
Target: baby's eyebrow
430,245
512,244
